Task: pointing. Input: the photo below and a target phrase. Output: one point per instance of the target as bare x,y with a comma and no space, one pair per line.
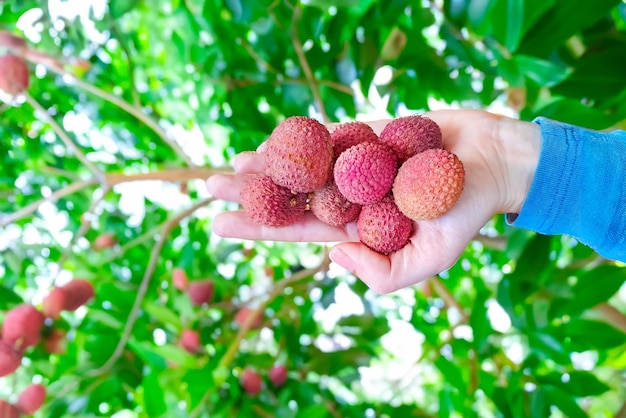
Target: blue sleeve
579,188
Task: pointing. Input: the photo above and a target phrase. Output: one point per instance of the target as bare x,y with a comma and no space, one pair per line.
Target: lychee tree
117,300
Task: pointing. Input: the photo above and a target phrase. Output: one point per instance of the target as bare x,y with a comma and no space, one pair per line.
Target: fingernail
338,256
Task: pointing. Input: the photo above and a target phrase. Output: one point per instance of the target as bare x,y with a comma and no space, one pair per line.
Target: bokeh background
133,104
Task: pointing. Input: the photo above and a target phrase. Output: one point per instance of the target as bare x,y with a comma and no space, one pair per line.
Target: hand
499,155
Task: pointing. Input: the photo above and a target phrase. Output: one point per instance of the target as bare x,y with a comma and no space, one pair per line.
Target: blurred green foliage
522,325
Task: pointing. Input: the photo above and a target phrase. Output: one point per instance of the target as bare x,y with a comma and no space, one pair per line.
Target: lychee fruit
11,41
383,228
201,291
22,326
429,184
77,293
8,410
53,303
269,204
278,375
104,241
410,135
190,341
364,173
53,342
14,75
299,154
180,279
349,134
251,382
242,316
10,359
331,207
31,399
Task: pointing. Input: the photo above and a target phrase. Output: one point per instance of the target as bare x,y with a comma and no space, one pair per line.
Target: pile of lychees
384,183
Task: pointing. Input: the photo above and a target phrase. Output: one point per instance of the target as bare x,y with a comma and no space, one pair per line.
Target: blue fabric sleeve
579,188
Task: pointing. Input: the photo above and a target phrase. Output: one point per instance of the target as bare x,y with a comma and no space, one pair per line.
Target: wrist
519,145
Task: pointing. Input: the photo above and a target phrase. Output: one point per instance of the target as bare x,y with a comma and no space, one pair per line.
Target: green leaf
577,113
452,373
153,396
543,72
163,314
586,334
565,402
577,383
594,287
118,8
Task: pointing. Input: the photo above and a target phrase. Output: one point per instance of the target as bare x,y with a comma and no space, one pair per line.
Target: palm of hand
435,245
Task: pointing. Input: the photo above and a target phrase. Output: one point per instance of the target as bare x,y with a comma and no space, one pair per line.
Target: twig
278,289
168,226
64,136
448,298
260,61
304,63
56,66
113,179
612,316
27,210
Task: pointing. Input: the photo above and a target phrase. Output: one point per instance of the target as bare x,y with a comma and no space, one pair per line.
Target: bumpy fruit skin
22,326
251,382
201,291
53,303
180,279
429,184
383,228
331,207
8,411
10,359
350,134
77,293
14,76
31,399
242,316
278,375
364,173
410,135
299,154
269,204
190,341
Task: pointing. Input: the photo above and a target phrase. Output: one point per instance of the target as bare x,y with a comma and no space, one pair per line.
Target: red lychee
299,154
429,184
180,279
410,135
8,411
251,382
53,303
383,228
267,203
104,241
53,342
201,291
364,173
242,316
331,207
77,293
190,341
14,75
278,375
22,326
31,399
349,134
10,359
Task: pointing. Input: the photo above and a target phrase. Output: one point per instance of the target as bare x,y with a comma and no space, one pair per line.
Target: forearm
578,188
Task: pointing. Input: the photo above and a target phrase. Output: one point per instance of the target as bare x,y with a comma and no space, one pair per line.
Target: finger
249,163
226,186
237,224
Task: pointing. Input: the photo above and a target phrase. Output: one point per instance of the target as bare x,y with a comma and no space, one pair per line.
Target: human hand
499,155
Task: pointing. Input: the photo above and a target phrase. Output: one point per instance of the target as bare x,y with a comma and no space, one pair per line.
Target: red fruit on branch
77,293
14,75
53,342
201,291
242,316
104,241
278,375
53,303
180,279
22,326
10,359
190,341
8,411
251,382
31,399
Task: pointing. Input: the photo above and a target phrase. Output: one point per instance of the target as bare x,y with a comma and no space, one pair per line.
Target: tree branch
64,136
168,226
304,63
